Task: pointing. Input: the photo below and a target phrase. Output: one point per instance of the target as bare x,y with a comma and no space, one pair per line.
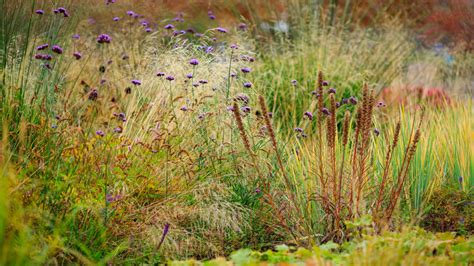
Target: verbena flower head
39,12
243,98
195,84
325,83
42,47
325,111
136,82
242,26
160,74
234,46
376,132
93,95
222,30
203,81
116,19
76,36
194,62
332,91
247,84
77,55
184,108
353,100
104,38
308,115
170,78
298,129
148,29
57,49
130,13
245,109
169,26
345,101
189,76
245,70
100,133
294,82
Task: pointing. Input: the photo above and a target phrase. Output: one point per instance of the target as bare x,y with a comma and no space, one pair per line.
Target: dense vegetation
325,134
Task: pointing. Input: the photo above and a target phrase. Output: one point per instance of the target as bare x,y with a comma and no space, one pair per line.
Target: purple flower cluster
57,49
46,57
104,38
42,47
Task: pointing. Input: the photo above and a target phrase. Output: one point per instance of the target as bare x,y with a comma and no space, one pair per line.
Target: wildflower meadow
236,132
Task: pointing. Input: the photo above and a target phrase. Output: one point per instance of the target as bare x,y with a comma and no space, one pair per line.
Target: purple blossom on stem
77,55
194,62
57,49
189,76
160,74
246,70
39,12
42,47
116,19
100,133
104,38
170,78
76,36
169,26
221,30
136,82
308,115
247,84
332,91
325,111
184,108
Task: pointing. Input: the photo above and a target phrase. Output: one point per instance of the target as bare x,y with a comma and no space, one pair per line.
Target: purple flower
212,16
136,82
242,26
160,74
148,29
47,66
39,12
189,76
42,47
55,11
245,109
130,13
76,36
57,49
198,35
100,133
222,30
108,2
246,70
243,98
194,62
169,26
344,101
325,83
257,190
294,82
338,104
298,129
61,10
43,57
353,100
118,130
184,108
381,104
104,38
77,55
209,49
230,108
93,95
170,78
332,91
116,19
247,84
233,75
325,111
308,114
203,81
234,46
376,132
196,84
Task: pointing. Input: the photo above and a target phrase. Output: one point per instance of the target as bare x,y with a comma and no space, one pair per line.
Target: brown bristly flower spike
240,126
345,128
